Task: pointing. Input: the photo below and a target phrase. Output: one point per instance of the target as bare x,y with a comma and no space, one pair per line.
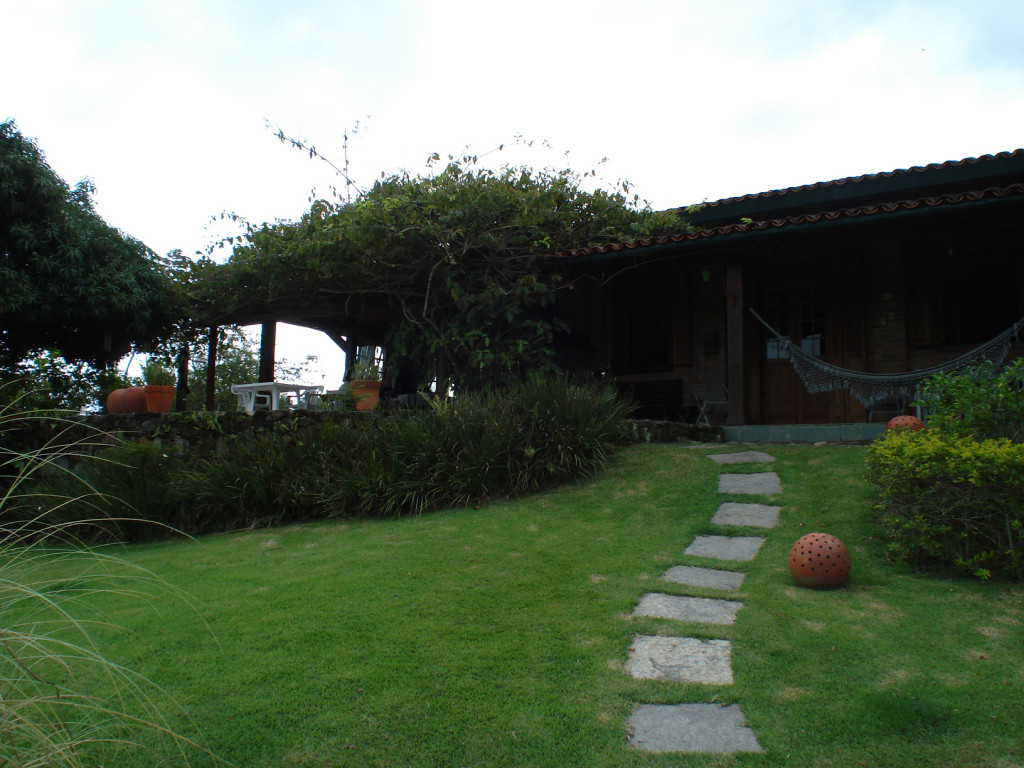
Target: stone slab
742,457
705,610
681,660
736,548
748,515
704,577
764,483
691,728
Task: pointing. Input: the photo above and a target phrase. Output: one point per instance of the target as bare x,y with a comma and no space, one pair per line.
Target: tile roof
851,180
859,211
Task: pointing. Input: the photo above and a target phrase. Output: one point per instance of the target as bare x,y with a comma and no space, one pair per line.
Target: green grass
497,636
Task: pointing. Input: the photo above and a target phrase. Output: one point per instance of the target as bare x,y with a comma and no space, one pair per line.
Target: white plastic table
247,393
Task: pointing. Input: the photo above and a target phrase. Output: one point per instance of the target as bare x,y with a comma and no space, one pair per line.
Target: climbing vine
446,264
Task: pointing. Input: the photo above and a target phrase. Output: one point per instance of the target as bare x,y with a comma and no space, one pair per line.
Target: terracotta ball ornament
905,422
819,561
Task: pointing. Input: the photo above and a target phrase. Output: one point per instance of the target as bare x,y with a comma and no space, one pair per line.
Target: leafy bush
950,501
501,442
119,494
494,443
483,445
267,480
982,401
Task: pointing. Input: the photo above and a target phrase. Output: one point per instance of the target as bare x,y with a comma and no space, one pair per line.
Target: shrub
501,442
982,401
494,443
119,494
950,501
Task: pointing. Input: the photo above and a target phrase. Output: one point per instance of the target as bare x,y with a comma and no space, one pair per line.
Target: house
882,273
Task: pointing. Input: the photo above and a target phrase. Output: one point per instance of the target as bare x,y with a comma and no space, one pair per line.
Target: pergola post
181,393
268,343
211,367
734,343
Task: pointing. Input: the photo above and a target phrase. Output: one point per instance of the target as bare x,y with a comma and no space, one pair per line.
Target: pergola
349,320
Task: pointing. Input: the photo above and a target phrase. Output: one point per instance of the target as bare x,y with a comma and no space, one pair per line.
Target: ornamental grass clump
63,702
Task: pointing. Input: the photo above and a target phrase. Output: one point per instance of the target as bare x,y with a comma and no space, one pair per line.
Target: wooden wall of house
870,296
655,331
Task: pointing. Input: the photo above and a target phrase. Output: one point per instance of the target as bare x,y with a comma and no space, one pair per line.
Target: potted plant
159,386
365,385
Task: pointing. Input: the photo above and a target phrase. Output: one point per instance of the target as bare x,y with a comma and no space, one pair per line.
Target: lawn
497,636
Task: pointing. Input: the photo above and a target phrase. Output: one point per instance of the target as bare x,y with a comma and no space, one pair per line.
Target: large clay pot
127,400
819,561
159,398
366,393
905,422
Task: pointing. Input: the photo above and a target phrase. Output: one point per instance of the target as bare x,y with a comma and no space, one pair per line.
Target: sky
171,108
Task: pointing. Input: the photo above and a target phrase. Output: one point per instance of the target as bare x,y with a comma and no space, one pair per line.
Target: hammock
873,388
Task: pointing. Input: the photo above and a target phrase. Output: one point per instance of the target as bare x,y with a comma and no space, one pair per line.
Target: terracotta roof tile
990,193
850,180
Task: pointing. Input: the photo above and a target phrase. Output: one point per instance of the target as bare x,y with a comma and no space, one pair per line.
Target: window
794,305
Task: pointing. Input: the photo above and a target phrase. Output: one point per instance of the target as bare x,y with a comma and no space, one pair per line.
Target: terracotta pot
127,400
159,398
905,422
366,393
819,561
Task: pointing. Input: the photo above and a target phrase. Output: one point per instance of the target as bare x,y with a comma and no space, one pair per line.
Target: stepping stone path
702,727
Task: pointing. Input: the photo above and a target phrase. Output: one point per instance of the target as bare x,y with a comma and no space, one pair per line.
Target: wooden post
268,342
734,343
211,367
181,392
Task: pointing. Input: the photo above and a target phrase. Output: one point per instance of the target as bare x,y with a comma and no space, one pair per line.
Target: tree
448,263
68,280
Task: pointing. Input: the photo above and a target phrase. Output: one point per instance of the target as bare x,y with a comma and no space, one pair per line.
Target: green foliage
156,374
46,381
129,495
68,280
982,401
363,371
950,501
450,260
258,482
492,444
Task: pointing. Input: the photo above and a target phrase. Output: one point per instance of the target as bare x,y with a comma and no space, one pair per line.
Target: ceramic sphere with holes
819,561
905,422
